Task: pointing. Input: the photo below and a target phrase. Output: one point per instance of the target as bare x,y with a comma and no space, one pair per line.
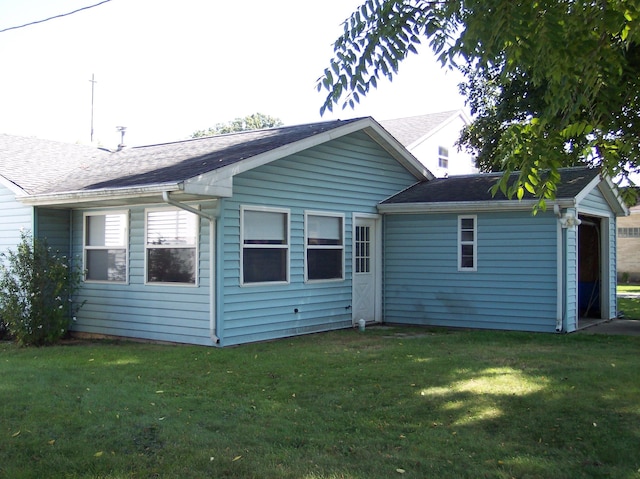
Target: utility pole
93,84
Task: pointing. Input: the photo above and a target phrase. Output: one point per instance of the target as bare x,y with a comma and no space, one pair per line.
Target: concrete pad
628,327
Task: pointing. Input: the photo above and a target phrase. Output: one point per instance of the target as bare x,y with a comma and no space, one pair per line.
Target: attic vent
122,130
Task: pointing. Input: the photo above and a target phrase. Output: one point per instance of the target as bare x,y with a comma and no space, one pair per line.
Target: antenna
93,84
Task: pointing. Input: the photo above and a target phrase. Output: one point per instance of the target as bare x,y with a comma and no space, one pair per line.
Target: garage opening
590,263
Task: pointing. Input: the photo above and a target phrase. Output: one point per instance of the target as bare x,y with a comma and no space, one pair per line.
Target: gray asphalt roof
42,166
35,165
477,187
410,129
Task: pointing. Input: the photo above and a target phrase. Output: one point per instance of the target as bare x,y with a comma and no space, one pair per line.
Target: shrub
36,290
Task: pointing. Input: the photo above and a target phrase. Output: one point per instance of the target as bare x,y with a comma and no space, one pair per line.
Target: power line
54,17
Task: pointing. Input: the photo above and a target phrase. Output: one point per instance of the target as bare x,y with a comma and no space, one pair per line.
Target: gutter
74,197
469,206
212,259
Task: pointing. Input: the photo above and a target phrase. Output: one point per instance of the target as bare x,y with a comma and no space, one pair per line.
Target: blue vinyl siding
595,201
174,313
514,287
613,279
346,175
14,217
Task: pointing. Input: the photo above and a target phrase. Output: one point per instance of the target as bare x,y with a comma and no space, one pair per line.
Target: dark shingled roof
476,188
43,167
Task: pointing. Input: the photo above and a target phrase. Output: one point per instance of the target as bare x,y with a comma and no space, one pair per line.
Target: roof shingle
476,188
411,129
44,167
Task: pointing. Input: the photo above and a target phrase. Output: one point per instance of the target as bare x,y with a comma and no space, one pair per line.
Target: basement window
171,244
106,246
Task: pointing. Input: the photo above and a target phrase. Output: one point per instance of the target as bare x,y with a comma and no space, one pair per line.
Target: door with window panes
365,271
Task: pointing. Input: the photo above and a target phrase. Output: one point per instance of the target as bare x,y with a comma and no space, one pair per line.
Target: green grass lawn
629,306
628,288
386,403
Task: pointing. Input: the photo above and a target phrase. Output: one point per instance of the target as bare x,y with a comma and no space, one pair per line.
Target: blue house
273,233
457,256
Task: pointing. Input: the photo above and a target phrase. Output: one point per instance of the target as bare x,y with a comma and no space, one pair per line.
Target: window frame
307,246
473,243
286,246
443,157
86,248
628,232
195,246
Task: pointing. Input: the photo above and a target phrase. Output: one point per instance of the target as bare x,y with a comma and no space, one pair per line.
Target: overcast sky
165,69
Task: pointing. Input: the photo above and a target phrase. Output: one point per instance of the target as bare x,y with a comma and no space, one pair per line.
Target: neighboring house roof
202,166
415,129
461,192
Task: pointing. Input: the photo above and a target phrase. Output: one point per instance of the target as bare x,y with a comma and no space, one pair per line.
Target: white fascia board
398,151
76,197
587,189
610,191
11,186
285,150
469,206
206,185
368,125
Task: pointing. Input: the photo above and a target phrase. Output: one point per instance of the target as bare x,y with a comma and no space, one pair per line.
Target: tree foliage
36,290
256,121
550,83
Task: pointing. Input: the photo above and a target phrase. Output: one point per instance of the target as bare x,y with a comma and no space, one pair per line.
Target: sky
164,69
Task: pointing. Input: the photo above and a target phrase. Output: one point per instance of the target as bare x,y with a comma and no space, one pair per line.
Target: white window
324,246
105,246
443,157
467,243
171,241
264,239
629,232
363,249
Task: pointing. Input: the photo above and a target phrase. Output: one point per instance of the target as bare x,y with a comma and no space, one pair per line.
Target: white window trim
146,247
287,246
474,242
86,248
443,157
306,245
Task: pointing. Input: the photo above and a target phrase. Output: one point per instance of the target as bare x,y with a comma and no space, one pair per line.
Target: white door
366,277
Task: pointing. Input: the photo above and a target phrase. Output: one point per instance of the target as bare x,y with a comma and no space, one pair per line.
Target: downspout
561,281
568,220
212,259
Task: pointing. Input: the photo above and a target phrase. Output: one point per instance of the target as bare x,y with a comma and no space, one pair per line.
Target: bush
36,290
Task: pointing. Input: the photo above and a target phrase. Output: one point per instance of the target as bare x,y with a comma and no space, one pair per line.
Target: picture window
171,246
